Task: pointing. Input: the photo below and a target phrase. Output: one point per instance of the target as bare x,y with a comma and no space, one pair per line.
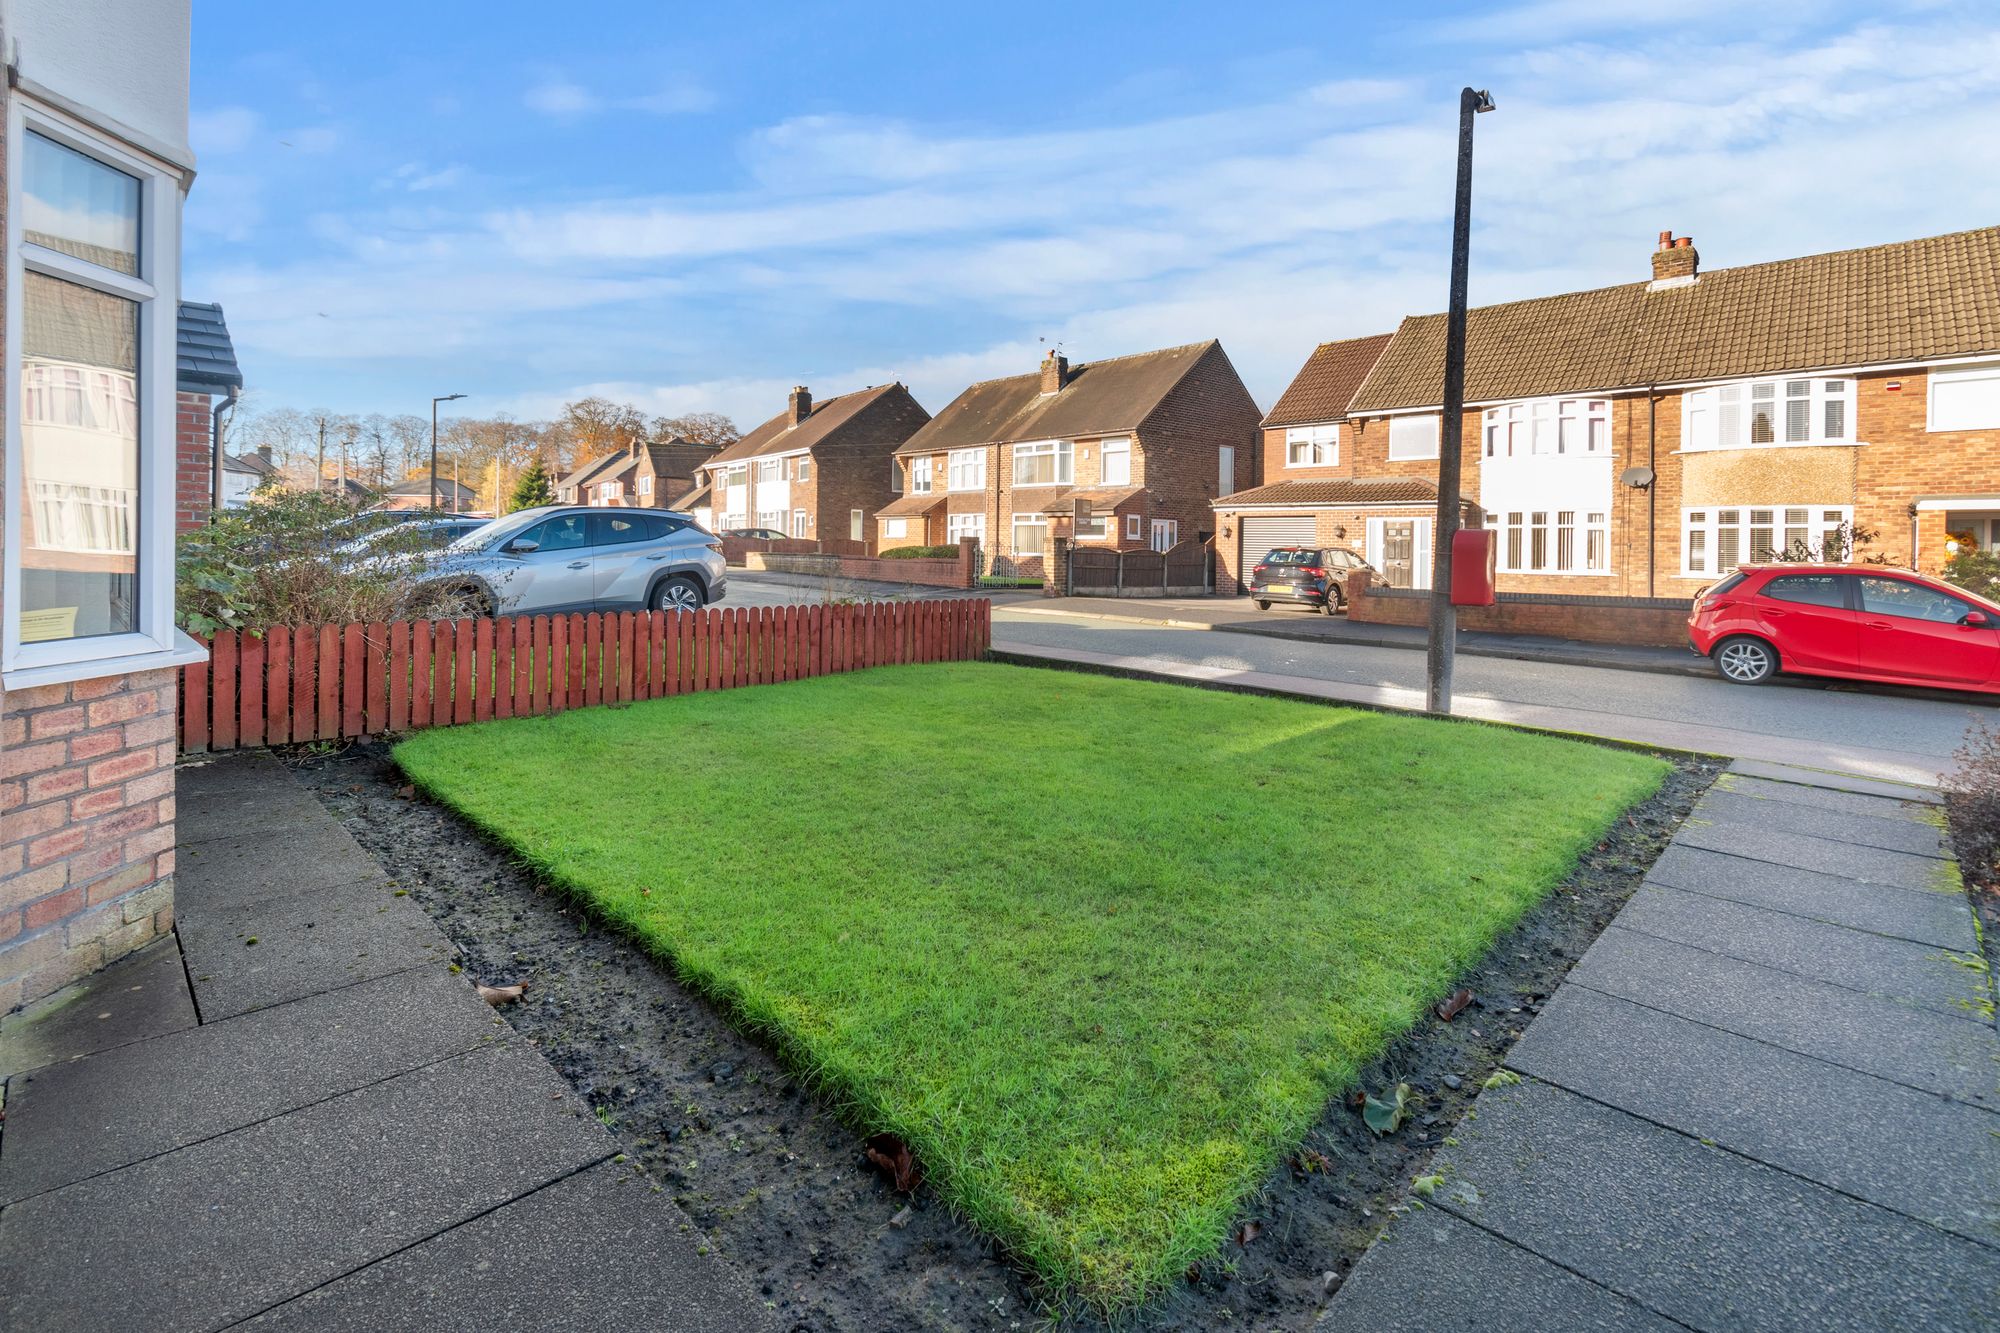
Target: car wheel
1745,661
1331,605
678,593
475,602
1263,605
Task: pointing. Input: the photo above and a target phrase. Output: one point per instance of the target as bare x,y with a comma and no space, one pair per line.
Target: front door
1910,629
1164,530
1399,550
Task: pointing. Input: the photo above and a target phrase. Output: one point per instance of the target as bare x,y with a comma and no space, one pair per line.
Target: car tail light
1259,570
1313,570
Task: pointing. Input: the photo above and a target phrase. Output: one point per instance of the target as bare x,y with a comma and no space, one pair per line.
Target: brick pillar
1929,557
1055,568
968,562
194,482
1358,582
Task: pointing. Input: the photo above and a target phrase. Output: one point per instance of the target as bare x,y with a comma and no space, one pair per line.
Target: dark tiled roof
206,357
1100,397
692,498
1099,497
586,473
1322,388
1345,491
907,505
1910,301
678,457
251,462
422,486
779,436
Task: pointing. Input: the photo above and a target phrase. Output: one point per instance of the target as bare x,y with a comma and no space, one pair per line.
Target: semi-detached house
1148,440
1642,439
641,475
819,471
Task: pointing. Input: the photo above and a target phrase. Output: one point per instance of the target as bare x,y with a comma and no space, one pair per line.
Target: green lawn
1100,950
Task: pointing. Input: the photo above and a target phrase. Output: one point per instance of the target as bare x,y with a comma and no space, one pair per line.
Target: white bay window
1716,539
965,470
1552,541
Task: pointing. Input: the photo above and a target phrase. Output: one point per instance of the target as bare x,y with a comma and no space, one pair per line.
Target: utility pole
448,398
1451,425
319,470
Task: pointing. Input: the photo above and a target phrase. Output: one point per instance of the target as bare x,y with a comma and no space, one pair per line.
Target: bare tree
597,426
701,427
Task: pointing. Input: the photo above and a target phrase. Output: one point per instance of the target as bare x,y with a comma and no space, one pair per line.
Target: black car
1310,575
755,534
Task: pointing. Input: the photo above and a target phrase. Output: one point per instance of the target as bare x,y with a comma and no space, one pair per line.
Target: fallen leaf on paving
892,1156
1248,1232
1386,1117
502,994
902,1219
1452,1005
407,792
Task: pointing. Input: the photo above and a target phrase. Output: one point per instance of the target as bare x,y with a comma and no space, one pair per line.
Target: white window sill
1560,573
185,652
1040,485
1776,444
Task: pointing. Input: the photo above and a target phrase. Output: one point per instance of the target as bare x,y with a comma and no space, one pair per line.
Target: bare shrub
1972,799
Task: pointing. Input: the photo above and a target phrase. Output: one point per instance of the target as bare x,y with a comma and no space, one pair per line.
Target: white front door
1163,533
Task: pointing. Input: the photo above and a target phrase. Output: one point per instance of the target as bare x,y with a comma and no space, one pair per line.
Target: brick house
1639,440
451,496
641,476
1149,440
207,380
96,161
819,471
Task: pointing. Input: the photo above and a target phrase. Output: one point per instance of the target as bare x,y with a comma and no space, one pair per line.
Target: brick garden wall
961,572
86,827
194,486
1644,621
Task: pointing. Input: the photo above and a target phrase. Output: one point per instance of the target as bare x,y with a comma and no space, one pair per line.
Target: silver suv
572,558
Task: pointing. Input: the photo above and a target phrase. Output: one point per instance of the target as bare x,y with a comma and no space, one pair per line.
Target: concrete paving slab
1829,798
282,805
303,944
1872,865
1891,1040
252,867
1920,974
142,995
248,771
1435,1271
1896,834
599,1249
1851,782
1940,919
1698,1234
70,1121
1923,1156
229,1227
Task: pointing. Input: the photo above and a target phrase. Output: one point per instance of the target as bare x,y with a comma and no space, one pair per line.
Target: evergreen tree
531,488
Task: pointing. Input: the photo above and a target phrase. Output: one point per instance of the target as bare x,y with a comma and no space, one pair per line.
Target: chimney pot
264,452
1676,263
1055,372
800,405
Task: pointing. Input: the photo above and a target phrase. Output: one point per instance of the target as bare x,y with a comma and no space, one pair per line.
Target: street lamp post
448,398
1451,426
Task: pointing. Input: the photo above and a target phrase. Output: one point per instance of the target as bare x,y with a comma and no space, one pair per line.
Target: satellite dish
1638,478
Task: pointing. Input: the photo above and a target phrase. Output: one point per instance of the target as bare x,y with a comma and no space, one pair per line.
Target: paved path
1900,737
299,1116
1764,1099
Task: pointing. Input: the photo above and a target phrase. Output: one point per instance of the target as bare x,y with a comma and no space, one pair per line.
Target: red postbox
1474,557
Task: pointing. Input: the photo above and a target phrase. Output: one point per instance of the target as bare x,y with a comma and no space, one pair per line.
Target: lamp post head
1478,99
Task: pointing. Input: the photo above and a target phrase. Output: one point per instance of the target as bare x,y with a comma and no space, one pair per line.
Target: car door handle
578,564
657,555
1876,624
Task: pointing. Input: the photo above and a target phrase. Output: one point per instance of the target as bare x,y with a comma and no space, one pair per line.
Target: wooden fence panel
250,687
376,668
305,709
194,708
277,686
222,691
486,674
353,677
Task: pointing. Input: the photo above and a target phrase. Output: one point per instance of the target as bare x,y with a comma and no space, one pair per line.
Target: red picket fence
334,682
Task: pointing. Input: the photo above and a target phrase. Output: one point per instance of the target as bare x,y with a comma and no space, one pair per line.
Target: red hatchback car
1862,622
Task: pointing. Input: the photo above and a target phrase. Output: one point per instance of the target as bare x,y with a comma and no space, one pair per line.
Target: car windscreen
1292,555
499,530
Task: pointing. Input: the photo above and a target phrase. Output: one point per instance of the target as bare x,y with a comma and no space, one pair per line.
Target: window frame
1032,519
1063,452
1580,533
1518,418
1436,421
1110,444
922,477
1325,436
1701,408
1983,370
155,289
895,529
1711,528
959,526
972,460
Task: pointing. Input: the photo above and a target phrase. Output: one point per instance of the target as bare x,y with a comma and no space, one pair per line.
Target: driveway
1904,737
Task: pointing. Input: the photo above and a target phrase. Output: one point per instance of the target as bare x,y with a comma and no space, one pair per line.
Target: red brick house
819,471
1639,440
642,476
1148,440
97,162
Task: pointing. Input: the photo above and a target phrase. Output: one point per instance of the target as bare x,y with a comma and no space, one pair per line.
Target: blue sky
694,207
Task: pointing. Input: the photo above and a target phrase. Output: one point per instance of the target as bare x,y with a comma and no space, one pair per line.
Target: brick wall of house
86,827
194,482
1904,461
1336,528
1180,442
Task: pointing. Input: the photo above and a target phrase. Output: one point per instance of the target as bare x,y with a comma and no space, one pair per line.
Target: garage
1261,535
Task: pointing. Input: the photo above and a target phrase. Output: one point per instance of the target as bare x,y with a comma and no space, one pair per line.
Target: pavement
298,1115
1767,1097
1898,735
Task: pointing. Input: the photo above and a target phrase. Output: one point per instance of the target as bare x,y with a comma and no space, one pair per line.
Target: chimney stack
801,404
1055,372
264,452
1676,263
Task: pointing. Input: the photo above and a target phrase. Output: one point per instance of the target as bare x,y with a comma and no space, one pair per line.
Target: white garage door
1262,534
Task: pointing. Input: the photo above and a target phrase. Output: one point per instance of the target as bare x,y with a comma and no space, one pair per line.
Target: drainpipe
215,443
1913,536
1652,491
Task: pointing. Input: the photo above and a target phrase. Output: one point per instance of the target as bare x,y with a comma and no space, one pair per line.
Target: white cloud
223,129
560,97
565,99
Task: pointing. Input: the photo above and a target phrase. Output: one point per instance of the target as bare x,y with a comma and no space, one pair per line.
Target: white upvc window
920,476
1550,426
1553,541
1100,527
1715,539
799,527
965,470
1413,437
1312,446
1965,397
1044,463
1031,533
92,284
1757,414
774,519
805,467
1116,461
1135,527
645,486
895,529
960,526
770,469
